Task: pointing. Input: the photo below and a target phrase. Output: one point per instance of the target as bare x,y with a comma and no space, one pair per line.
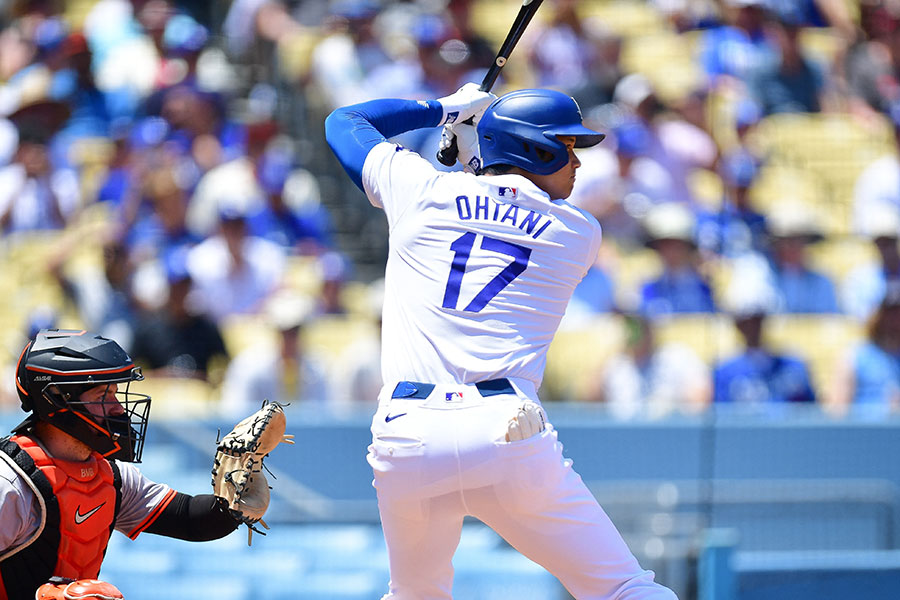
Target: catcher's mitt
237,474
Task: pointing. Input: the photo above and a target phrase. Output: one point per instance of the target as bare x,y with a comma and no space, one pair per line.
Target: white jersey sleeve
480,269
395,179
19,509
142,500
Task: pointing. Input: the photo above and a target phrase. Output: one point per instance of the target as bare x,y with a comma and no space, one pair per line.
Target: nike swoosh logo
81,518
389,418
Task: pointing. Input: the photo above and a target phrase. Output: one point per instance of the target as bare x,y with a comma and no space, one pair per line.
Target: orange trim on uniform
90,421
127,367
154,514
100,430
19,385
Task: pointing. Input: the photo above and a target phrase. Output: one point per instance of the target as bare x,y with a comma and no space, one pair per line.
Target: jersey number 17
462,248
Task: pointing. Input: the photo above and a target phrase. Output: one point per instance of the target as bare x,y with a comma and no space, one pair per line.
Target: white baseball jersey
479,271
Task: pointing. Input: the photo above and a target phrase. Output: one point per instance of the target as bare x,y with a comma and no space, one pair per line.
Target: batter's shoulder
578,213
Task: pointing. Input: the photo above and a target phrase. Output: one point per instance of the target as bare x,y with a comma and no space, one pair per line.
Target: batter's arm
353,131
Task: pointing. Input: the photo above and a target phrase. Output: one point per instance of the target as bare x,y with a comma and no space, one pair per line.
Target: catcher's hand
528,421
237,474
63,588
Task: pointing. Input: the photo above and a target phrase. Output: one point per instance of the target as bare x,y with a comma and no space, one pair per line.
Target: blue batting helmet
520,129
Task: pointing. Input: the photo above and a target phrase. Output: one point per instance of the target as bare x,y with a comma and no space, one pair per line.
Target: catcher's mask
57,368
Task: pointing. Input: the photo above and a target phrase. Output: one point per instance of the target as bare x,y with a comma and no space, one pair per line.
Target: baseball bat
447,156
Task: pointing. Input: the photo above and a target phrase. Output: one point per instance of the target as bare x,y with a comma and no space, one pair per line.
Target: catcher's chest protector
82,500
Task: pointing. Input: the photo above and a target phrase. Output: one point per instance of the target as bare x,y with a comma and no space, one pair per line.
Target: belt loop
495,387
412,390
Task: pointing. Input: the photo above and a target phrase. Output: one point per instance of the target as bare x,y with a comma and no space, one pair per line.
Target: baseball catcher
68,478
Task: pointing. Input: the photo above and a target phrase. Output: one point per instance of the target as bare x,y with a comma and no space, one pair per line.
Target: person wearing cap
879,181
621,184
334,271
867,381
792,227
864,286
103,297
734,50
737,227
291,213
680,288
163,228
868,69
636,95
177,339
234,272
793,82
650,379
35,193
757,375
282,369
350,51
562,53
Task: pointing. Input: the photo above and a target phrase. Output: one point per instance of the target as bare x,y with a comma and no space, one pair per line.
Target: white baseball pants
439,459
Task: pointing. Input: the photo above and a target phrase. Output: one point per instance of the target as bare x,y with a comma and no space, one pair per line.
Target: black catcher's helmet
59,365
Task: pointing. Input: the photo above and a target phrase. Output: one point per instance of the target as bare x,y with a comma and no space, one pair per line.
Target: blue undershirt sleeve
352,131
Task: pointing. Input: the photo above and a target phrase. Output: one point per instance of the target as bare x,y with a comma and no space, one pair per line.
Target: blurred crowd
164,181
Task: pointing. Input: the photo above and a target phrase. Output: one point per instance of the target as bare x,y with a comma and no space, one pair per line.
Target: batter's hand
466,136
529,421
62,588
465,103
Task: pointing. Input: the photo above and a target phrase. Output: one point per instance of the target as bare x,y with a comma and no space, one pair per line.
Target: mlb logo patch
507,192
451,117
453,397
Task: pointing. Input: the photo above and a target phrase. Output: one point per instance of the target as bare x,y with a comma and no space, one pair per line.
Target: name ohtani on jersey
485,208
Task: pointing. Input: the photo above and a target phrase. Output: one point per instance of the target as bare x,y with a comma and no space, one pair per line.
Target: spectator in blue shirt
758,375
793,82
737,227
292,214
801,289
680,288
868,382
864,286
738,47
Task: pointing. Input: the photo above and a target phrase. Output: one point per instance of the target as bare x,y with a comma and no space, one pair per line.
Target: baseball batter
479,273
66,478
